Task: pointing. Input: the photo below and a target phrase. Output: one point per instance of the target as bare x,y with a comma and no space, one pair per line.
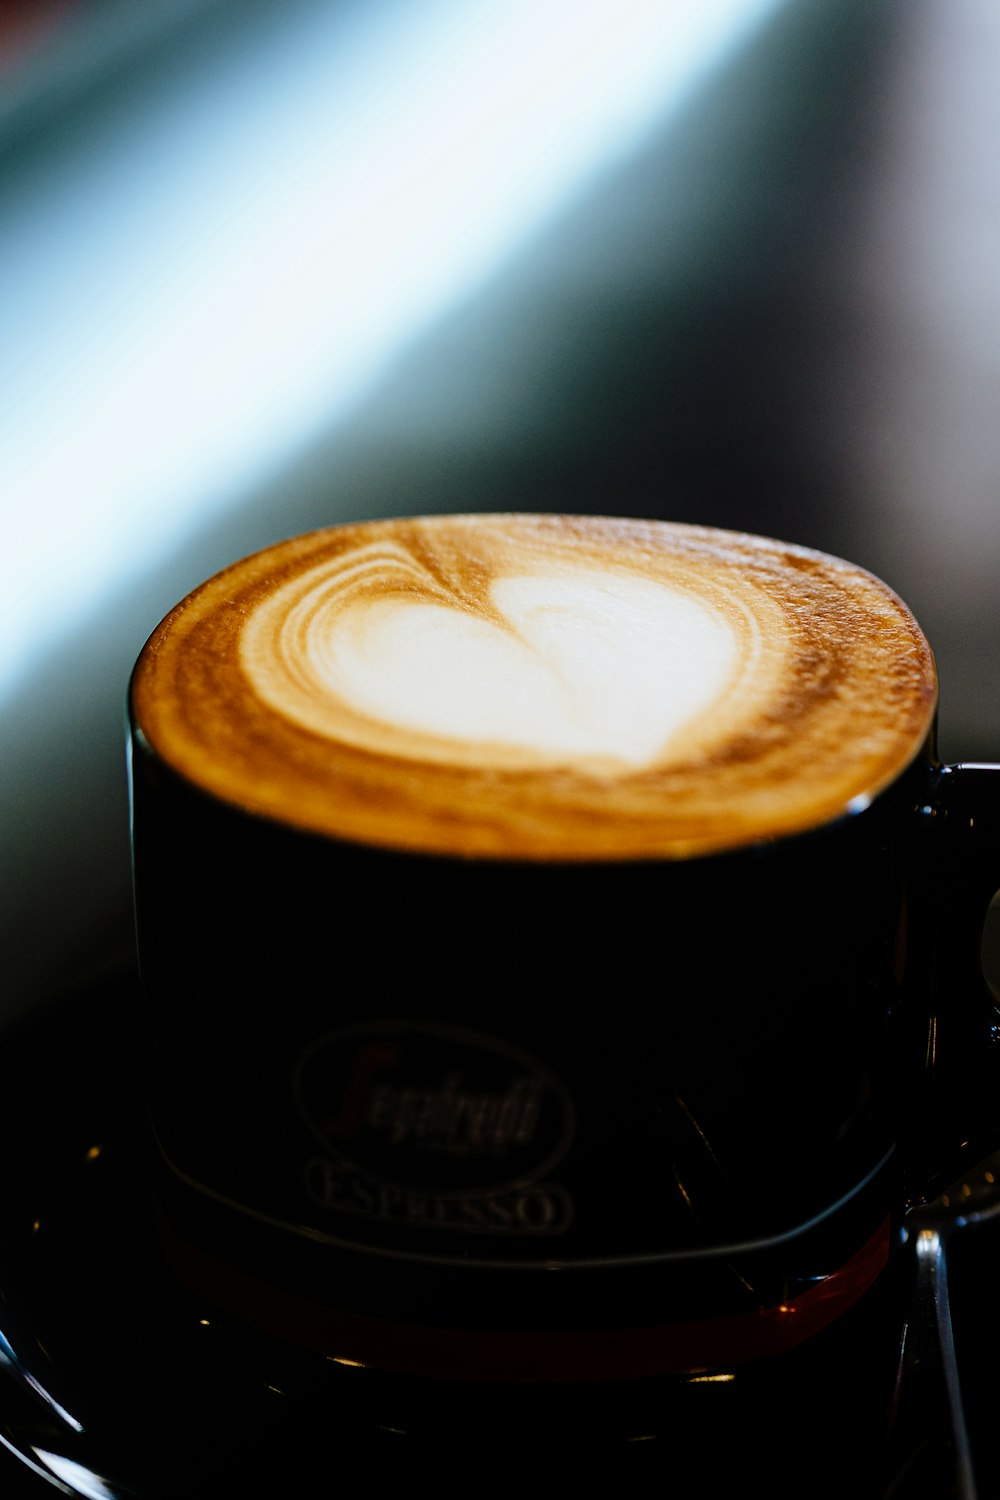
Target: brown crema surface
810,686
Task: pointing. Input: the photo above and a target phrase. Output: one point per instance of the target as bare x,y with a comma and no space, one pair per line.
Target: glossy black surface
173,1401
727,1047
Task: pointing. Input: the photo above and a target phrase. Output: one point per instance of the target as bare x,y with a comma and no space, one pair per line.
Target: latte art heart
587,665
539,687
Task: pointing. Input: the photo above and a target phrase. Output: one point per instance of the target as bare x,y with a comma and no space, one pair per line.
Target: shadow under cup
517,1119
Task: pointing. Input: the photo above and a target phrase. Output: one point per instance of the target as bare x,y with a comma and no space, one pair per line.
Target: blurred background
264,268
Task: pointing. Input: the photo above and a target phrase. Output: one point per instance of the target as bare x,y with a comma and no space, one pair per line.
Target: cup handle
958,1118
960,873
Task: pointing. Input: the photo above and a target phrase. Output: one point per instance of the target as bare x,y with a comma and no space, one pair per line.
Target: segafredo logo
424,1109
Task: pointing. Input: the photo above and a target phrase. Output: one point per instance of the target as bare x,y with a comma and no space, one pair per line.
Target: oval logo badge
422,1105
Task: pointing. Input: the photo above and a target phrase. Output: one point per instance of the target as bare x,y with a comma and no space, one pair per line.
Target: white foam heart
591,663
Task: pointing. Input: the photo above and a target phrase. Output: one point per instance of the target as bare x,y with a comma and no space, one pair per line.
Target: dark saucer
114,1383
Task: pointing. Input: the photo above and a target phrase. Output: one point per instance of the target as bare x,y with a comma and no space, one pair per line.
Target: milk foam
541,687
581,663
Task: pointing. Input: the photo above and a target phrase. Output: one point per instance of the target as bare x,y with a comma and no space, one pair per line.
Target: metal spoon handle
930,1452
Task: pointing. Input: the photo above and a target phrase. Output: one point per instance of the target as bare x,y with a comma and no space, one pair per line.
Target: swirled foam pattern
539,686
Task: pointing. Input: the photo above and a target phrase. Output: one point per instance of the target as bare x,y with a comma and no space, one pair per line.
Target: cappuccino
539,687
521,894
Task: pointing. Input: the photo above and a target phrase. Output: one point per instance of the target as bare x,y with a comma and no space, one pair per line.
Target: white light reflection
216,268
81,1481
30,1464
9,1359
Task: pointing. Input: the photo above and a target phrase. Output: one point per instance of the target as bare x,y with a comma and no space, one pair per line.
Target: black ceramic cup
492,1044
